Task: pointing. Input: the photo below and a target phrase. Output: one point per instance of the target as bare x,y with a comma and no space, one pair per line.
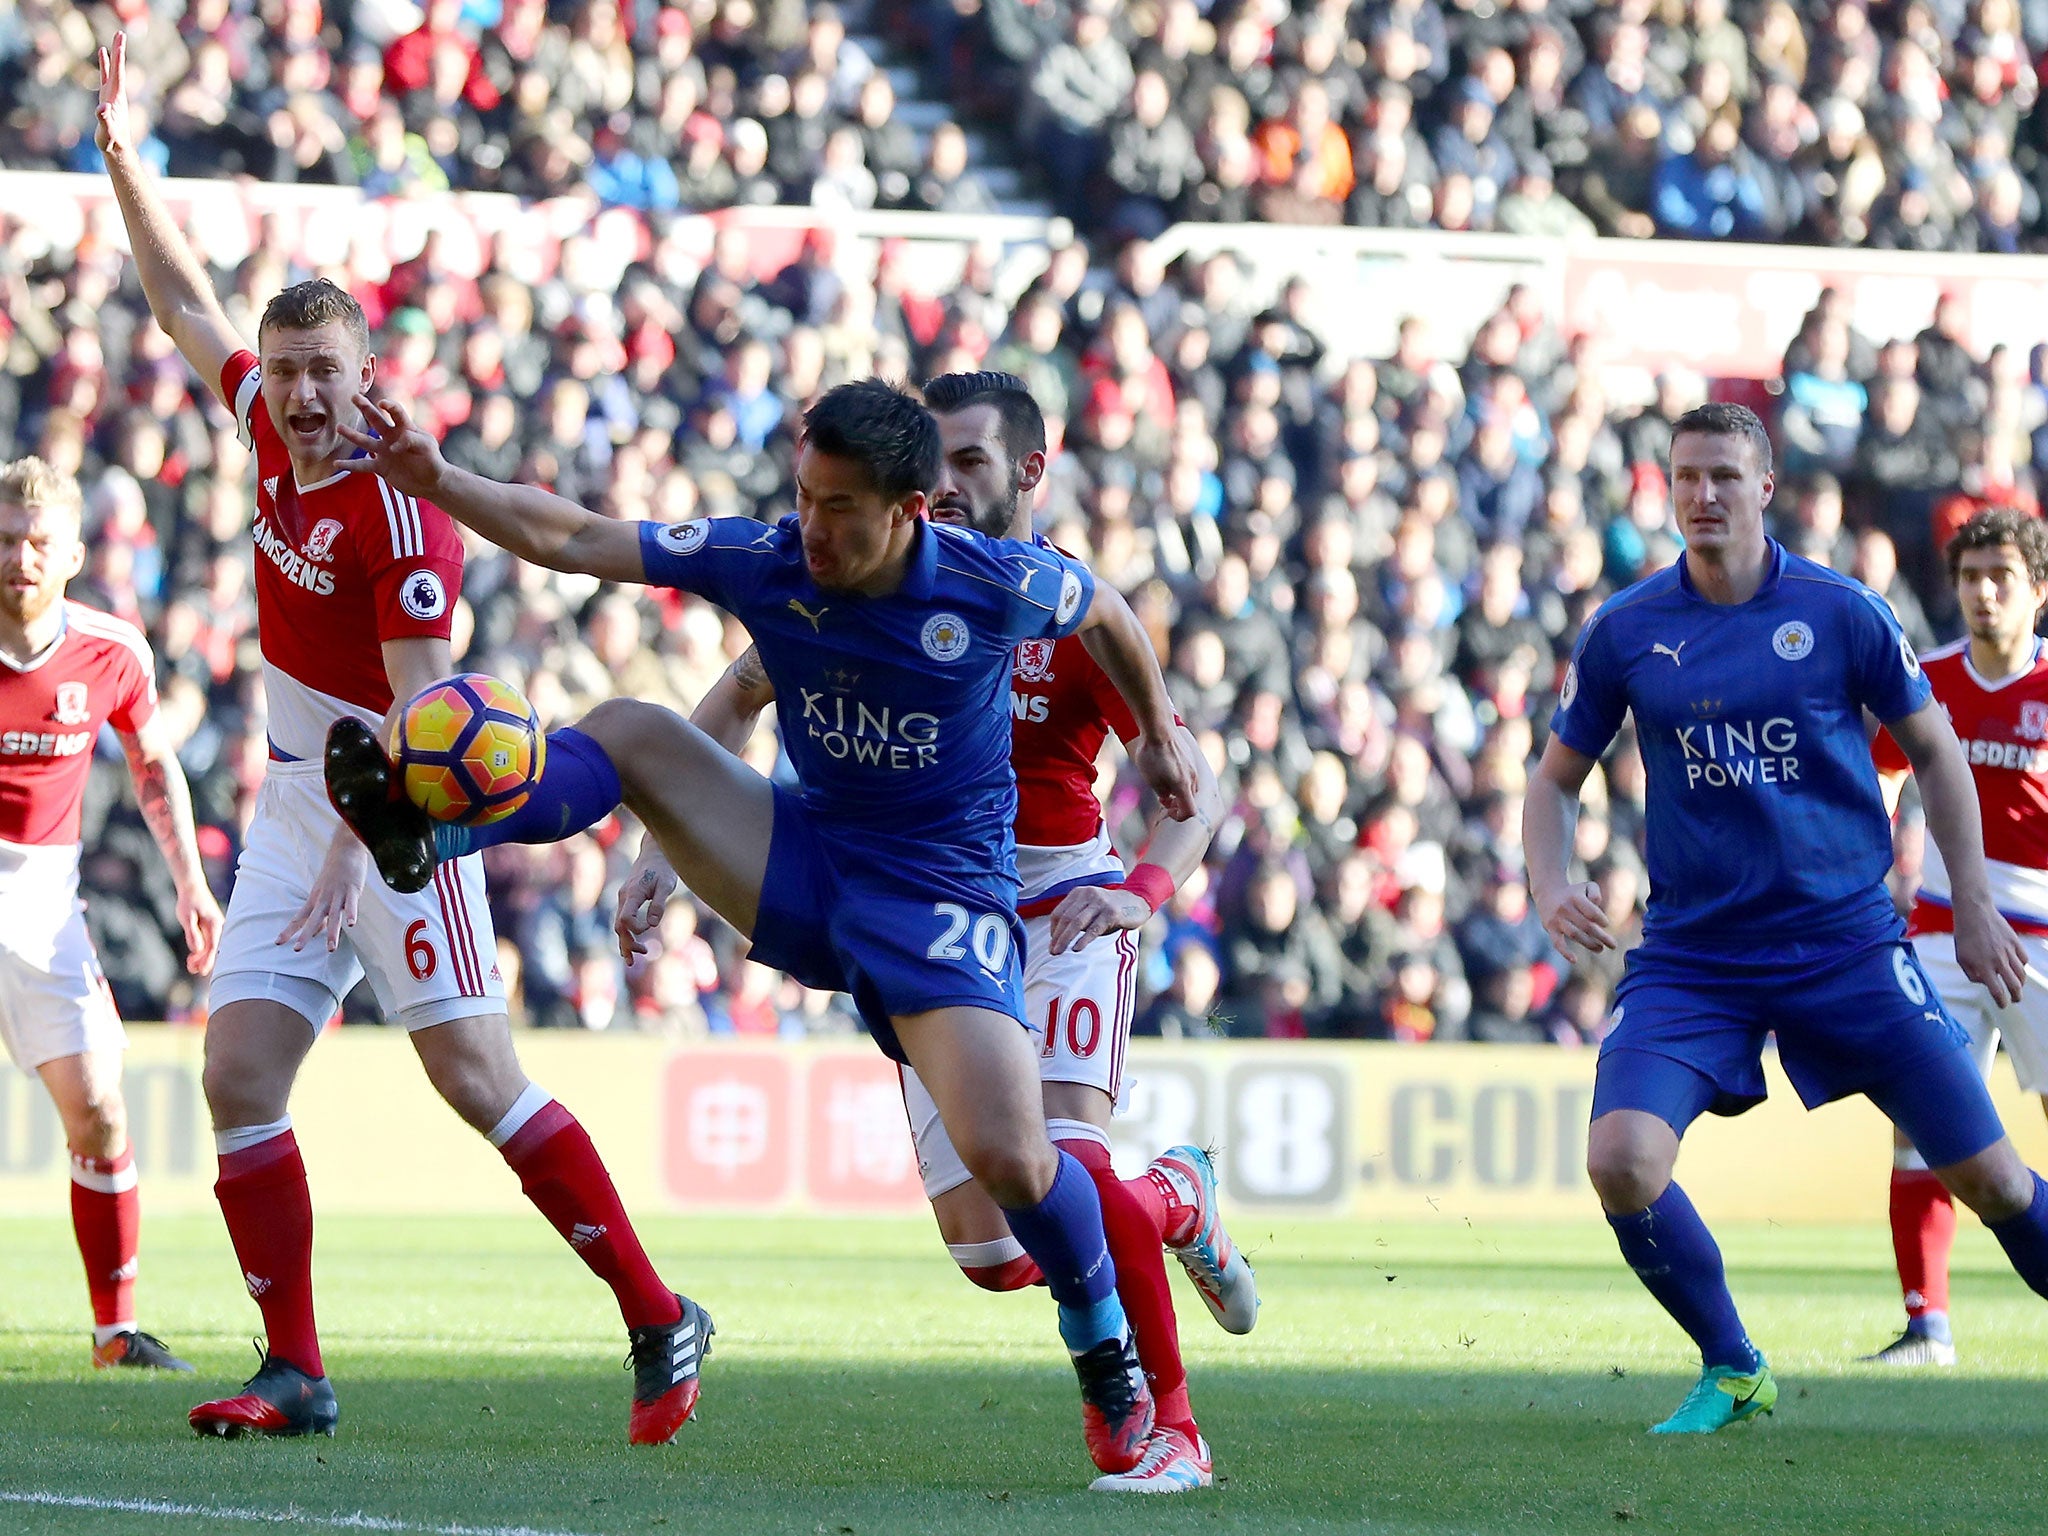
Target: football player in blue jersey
1753,675
890,873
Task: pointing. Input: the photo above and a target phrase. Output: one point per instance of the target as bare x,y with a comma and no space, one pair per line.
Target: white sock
104,1334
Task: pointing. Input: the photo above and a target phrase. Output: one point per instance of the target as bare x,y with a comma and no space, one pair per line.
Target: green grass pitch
1415,1379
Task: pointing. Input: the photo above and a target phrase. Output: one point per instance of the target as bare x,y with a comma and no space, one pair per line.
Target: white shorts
431,957
2024,1028
1079,1005
53,1000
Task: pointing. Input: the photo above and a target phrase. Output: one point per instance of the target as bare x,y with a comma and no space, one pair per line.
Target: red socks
1132,1225
262,1193
106,1214
1923,1232
562,1174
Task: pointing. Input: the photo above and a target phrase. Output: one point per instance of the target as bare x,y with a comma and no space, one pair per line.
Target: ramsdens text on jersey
297,569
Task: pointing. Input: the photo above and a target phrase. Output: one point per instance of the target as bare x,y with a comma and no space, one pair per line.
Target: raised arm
538,526
1986,947
166,801
1163,753
179,292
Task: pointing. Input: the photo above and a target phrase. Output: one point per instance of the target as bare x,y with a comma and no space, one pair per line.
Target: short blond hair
33,483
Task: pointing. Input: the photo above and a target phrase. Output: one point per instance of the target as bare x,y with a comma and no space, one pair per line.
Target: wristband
1153,884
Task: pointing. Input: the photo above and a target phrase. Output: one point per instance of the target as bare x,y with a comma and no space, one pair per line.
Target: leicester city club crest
945,637
1793,640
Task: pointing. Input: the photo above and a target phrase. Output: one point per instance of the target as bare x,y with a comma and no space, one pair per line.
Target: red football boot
665,1360
280,1399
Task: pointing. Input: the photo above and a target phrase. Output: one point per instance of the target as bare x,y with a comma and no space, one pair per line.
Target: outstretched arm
1173,850
536,525
179,292
1986,947
166,801
1163,753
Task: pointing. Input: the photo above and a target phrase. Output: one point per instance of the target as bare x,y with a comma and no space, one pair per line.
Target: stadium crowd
1363,573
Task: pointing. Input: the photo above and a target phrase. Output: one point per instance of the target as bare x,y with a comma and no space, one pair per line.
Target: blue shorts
896,944
1689,1032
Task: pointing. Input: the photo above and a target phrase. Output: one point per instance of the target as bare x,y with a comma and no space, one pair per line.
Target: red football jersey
98,672
2003,727
342,566
1062,708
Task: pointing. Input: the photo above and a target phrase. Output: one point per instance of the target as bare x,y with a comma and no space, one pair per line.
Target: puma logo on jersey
802,612
1661,649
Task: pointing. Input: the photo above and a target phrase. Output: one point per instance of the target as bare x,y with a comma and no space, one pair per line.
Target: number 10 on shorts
991,938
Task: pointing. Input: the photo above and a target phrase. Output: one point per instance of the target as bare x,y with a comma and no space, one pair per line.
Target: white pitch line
356,1522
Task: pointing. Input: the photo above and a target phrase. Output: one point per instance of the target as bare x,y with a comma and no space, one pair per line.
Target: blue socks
1063,1234
1674,1255
578,787
2025,1239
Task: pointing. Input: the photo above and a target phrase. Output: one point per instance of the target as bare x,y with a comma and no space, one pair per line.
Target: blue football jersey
1765,818
895,711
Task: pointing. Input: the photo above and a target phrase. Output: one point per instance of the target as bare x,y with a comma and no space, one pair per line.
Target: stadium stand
1364,535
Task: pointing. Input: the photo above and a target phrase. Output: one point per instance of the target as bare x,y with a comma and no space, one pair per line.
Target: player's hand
1989,952
1093,910
643,899
111,130
402,455
199,915
331,905
1572,915
1167,764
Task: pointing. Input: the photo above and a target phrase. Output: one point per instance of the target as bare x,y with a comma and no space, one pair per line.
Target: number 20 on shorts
991,938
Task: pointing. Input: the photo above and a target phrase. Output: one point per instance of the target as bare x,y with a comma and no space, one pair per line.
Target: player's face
1719,491
979,487
39,551
851,532
308,380
2000,601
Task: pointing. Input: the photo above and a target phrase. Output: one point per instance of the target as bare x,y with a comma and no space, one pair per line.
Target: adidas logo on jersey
270,488
583,1234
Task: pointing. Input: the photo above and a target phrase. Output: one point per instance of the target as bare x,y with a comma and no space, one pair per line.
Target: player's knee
98,1127
237,1096
1996,1184
1013,1175
1627,1178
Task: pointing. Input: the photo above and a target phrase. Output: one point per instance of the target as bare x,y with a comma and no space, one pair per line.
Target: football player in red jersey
1073,890
65,671
355,593
1994,685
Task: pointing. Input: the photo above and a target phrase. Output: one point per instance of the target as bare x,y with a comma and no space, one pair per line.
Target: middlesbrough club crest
74,705
1034,661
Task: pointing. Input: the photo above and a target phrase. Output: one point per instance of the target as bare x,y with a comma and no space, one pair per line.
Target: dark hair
1717,418
316,302
881,428
1998,527
1023,422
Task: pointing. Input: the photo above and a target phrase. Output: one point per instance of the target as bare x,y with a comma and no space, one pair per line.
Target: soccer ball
468,749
